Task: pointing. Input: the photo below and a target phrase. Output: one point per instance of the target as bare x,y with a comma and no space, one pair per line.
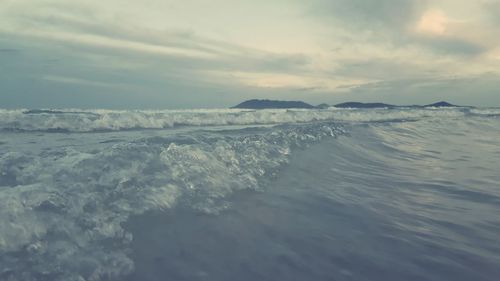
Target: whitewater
229,194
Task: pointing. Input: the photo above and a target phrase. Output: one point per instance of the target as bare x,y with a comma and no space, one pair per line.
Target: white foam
98,120
61,209
486,111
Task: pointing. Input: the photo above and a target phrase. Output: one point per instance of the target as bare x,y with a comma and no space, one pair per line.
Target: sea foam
63,209
72,120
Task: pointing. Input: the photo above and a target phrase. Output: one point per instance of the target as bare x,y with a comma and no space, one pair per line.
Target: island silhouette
277,104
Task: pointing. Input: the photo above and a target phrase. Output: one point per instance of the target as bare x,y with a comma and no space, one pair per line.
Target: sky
217,53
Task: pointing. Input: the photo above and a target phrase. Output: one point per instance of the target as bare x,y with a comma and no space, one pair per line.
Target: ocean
226,194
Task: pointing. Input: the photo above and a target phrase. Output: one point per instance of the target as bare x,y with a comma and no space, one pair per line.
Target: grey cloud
492,10
84,75
382,68
481,90
73,83
224,56
10,51
369,14
307,89
173,38
391,21
450,45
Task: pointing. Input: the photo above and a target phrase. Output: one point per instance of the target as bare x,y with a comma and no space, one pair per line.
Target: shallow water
295,195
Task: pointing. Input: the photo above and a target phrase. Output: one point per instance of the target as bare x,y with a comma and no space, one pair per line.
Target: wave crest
115,120
64,209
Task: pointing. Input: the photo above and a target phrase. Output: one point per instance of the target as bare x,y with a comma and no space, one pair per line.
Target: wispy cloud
80,81
314,47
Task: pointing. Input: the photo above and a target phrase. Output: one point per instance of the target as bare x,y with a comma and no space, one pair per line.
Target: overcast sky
215,53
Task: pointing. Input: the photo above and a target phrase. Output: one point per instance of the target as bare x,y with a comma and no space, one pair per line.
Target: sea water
332,194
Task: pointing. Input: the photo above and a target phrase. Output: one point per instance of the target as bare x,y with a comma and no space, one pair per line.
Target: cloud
83,33
145,57
80,81
492,10
470,90
380,69
398,23
452,46
433,22
382,15
8,51
204,52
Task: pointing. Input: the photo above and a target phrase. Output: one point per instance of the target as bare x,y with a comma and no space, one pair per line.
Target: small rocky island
441,104
364,105
385,105
276,104
267,104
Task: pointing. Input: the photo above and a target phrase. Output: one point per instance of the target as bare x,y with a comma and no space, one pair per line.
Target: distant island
276,104
266,104
364,105
385,105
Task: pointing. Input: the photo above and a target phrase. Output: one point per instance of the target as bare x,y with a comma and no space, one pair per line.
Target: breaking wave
65,198
62,210
115,120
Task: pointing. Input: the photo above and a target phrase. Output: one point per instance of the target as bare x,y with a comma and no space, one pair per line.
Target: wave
491,112
65,207
115,120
